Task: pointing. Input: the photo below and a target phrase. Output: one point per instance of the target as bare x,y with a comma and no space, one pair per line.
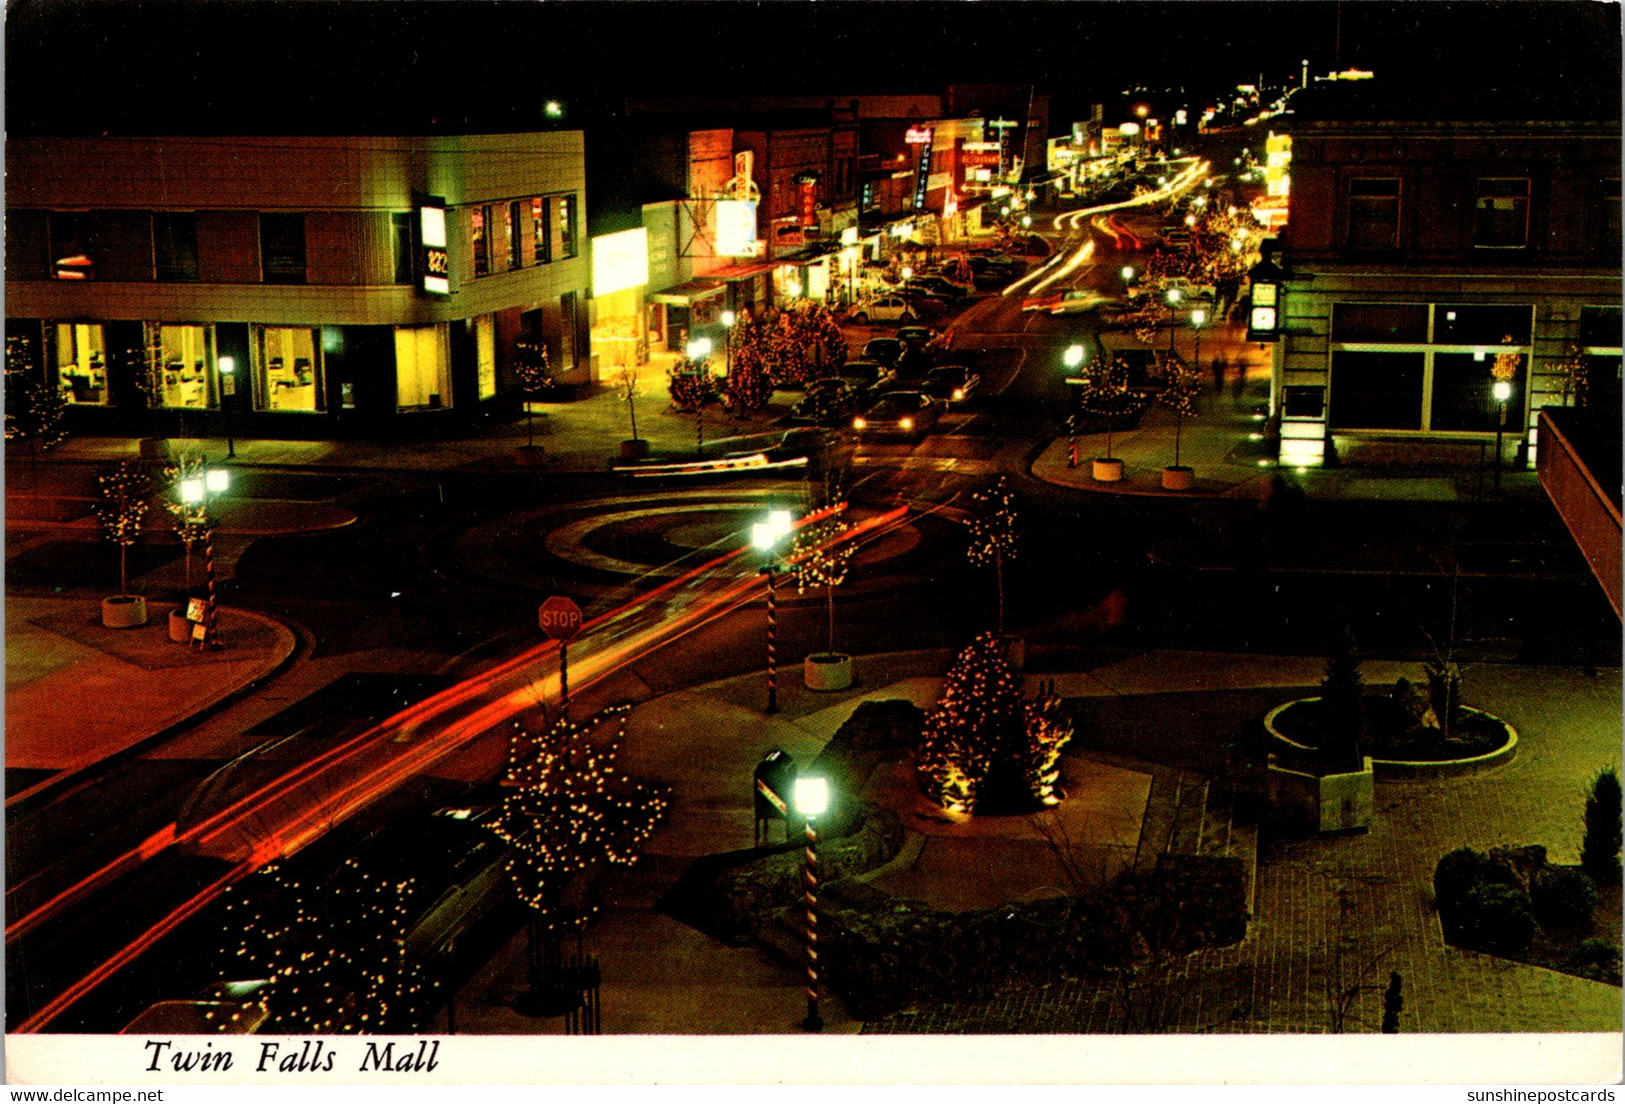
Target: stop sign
559,617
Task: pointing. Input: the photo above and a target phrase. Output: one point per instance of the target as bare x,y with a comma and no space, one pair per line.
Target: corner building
1432,250
167,284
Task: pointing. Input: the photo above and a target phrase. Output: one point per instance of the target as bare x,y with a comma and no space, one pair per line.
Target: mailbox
775,782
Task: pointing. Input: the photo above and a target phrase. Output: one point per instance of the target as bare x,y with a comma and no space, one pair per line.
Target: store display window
287,369
181,365
485,343
422,368
79,352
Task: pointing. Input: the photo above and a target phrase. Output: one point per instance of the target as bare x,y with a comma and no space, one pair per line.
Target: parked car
941,287
899,414
867,378
828,401
923,338
882,308
887,350
952,383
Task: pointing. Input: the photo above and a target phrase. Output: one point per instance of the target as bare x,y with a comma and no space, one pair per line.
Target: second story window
479,219
1374,213
1501,215
400,227
174,246
541,225
516,252
71,254
282,249
567,225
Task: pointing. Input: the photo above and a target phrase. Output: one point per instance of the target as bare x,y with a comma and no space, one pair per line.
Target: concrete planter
1323,802
1400,768
1178,478
1108,470
154,448
827,671
529,456
124,611
180,627
635,449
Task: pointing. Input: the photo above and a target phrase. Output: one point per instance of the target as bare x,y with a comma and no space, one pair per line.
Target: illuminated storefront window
485,344
422,368
287,369
184,375
541,223
80,355
567,226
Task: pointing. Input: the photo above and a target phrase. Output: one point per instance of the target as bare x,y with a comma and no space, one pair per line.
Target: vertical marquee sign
921,137
436,267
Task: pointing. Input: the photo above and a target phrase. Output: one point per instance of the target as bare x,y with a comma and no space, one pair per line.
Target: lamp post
228,390
1073,359
728,320
765,535
1173,316
196,492
1198,316
1502,390
812,798
698,349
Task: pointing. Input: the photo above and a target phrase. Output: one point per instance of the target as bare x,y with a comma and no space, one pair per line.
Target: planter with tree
120,511
625,382
992,524
1329,786
533,373
821,557
1106,394
191,521
1178,394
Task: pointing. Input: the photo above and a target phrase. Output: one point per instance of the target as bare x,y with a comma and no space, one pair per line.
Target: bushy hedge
1490,902
1562,897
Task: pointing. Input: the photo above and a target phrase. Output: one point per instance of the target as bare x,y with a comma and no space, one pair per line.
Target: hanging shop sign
807,200
435,278
922,171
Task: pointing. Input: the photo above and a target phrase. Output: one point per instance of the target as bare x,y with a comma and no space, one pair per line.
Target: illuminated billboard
736,228
620,261
436,272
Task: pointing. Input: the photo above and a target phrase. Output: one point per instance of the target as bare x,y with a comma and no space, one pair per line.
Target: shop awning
688,293
742,271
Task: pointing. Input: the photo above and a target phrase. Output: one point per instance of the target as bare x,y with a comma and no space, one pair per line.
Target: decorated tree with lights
984,745
1178,394
690,384
121,510
33,409
821,558
1106,394
749,384
190,519
806,343
533,373
333,950
992,525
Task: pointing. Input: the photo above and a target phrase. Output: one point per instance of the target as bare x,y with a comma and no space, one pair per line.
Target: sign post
560,618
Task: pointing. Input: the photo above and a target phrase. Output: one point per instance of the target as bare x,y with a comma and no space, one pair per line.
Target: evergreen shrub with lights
34,409
749,384
986,748
690,384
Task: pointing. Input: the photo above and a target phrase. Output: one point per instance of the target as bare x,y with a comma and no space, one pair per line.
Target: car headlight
959,393
858,423
907,423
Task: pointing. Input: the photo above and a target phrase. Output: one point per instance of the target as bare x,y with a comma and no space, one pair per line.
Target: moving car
828,402
867,378
883,308
952,383
906,414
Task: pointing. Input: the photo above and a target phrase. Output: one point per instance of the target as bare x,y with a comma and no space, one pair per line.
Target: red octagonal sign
559,617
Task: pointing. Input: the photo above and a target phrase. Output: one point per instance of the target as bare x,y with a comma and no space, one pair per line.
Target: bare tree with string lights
570,813
993,534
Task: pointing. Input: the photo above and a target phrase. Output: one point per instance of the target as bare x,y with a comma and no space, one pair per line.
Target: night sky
87,66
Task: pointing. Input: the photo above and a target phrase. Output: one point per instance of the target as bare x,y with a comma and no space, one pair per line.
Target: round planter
124,611
1412,768
635,449
827,671
529,456
1177,477
180,627
154,448
1108,470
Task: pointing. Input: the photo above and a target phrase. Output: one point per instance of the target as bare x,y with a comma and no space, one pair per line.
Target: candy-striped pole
772,641
813,1022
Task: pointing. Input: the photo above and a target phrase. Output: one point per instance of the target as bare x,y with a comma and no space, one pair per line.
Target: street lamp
812,798
1198,316
195,491
728,320
1174,297
1502,390
698,349
1128,274
1073,359
765,535
228,389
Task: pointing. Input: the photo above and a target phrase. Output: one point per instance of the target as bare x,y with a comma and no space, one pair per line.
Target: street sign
559,618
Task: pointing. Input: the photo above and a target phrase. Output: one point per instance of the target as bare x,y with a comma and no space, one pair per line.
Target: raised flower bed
1399,746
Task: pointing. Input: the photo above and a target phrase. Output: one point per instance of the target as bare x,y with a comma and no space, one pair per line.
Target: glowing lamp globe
811,796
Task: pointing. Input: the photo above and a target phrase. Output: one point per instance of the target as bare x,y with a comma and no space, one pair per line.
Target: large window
1502,213
287,368
79,355
568,230
541,222
400,225
1376,390
516,240
72,257
282,249
422,368
1374,213
485,346
1380,323
479,223
174,246
183,374
1463,398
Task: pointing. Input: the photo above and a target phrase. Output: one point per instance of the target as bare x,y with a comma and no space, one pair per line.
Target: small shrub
1597,958
1457,874
1562,897
1496,918
1599,852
